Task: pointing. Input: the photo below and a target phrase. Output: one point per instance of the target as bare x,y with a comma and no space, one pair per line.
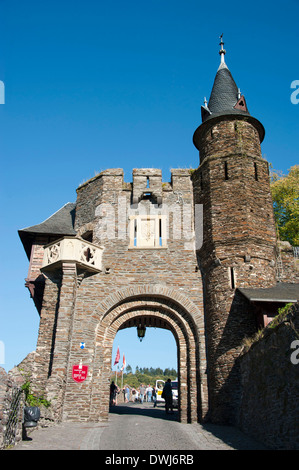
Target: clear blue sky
93,85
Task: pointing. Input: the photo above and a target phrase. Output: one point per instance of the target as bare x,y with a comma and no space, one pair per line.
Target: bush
34,400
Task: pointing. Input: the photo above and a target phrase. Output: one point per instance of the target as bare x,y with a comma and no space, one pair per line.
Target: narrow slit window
225,171
135,232
147,182
255,172
160,232
232,278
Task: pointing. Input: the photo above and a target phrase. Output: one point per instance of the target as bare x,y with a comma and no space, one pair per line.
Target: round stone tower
238,249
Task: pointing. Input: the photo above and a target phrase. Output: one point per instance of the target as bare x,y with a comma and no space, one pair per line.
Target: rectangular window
147,231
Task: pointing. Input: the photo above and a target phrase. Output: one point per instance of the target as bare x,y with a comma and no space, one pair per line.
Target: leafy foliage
31,398
34,400
285,194
145,375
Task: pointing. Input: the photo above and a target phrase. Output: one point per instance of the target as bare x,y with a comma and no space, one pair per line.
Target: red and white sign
80,372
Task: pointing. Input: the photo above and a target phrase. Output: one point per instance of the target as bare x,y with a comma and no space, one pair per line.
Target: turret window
232,278
255,172
225,171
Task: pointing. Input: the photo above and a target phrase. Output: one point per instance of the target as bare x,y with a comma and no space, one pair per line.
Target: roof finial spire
222,51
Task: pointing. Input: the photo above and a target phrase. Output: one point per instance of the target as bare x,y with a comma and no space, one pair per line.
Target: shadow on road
234,437
228,435
145,409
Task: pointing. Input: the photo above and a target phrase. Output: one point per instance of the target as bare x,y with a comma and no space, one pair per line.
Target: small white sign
82,345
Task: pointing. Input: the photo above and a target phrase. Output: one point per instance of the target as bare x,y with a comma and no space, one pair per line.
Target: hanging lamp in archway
141,331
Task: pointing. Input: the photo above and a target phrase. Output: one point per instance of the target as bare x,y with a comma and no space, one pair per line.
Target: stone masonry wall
227,137
289,270
269,406
8,386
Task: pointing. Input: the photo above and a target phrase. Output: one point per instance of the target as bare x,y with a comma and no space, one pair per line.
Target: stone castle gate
87,286
141,251
154,307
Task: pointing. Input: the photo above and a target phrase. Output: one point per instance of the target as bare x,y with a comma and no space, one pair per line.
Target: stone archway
181,317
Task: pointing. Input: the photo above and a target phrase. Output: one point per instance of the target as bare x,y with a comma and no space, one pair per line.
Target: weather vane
222,51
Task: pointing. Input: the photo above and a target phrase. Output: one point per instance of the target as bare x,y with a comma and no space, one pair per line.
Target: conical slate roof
225,100
225,96
224,93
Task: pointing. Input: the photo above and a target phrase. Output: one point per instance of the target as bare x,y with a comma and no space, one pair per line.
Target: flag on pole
124,363
117,357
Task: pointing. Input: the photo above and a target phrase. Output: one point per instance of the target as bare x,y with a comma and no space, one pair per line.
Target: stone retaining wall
8,386
269,407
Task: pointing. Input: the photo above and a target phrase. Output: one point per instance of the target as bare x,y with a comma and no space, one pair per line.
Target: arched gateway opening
167,309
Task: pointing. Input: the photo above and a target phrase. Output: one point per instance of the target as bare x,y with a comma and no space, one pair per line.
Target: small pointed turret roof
224,93
226,101
225,96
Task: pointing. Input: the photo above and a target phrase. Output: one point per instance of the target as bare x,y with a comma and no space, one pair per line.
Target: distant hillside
145,376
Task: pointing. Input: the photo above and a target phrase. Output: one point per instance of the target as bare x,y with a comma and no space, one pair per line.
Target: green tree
285,194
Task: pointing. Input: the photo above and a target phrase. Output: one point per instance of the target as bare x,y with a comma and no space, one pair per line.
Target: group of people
141,394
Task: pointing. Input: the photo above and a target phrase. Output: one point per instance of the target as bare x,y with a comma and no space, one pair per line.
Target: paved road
138,427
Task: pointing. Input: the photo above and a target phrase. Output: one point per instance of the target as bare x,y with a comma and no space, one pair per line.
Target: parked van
175,391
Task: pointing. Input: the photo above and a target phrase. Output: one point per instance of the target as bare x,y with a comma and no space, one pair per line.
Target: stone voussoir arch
156,290
183,318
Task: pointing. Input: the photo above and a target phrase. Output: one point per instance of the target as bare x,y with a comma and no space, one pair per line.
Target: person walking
149,393
113,392
167,395
127,390
142,392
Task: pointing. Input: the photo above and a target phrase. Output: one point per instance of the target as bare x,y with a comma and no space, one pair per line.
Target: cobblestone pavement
138,427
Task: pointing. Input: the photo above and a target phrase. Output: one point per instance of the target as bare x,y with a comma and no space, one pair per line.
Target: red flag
117,357
124,363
